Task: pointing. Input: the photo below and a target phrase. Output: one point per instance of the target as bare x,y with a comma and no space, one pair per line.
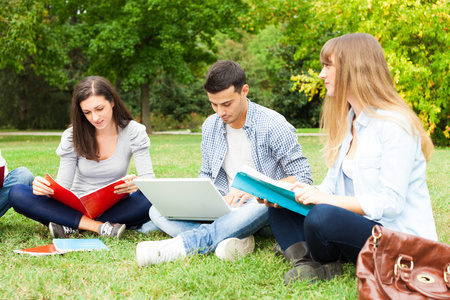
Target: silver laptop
195,199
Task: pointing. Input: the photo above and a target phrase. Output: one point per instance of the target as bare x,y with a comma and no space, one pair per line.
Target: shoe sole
307,272
149,252
141,254
50,228
233,249
121,231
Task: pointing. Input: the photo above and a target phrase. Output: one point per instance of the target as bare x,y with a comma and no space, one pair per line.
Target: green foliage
21,29
28,101
299,109
413,34
178,100
257,54
130,42
28,39
269,65
135,40
173,105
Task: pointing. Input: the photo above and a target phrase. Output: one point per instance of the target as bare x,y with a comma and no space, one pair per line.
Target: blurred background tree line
157,53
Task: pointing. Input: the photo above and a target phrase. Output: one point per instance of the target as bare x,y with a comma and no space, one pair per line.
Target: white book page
258,175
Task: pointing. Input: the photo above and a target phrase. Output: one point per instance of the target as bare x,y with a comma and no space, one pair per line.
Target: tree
29,101
413,34
136,40
269,65
28,39
36,66
131,42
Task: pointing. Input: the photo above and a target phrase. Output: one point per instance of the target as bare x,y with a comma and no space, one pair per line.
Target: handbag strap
376,240
403,272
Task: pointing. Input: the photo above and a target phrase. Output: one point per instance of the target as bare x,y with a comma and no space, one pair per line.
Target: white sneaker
155,252
234,248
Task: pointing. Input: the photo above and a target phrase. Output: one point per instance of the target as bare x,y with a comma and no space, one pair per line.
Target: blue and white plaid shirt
275,150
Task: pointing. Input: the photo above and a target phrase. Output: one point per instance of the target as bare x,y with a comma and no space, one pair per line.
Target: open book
253,182
93,204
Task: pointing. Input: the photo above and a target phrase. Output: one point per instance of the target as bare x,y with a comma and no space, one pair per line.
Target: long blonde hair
361,68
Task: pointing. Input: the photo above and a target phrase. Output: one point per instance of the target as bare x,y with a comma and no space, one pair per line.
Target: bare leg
89,224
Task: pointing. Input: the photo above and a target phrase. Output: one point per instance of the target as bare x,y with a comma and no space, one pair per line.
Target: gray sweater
82,176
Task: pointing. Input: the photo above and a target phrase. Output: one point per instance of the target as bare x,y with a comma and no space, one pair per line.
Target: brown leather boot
305,268
297,253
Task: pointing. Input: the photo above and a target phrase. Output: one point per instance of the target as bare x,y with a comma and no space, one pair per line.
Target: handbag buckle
376,238
399,264
447,273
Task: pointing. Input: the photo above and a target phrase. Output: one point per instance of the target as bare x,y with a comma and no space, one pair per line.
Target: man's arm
290,179
288,152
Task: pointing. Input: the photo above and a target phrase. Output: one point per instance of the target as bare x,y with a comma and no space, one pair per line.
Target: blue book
67,245
259,185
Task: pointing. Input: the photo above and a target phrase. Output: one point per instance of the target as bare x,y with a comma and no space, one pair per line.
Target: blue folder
274,194
67,245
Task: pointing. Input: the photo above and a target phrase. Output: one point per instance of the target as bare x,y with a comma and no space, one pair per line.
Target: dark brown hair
84,140
224,74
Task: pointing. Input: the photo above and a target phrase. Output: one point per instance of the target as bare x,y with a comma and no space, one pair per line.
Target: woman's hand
41,187
307,195
128,186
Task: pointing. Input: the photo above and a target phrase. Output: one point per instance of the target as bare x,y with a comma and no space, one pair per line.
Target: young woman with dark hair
94,151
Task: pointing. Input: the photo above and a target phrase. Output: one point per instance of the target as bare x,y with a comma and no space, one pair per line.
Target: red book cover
2,175
93,204
40,251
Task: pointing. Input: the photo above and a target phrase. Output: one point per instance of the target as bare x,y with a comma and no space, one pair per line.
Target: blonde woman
376,151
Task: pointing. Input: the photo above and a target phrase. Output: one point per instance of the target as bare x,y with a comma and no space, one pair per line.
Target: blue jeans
132,210
329,231
204,237
20,175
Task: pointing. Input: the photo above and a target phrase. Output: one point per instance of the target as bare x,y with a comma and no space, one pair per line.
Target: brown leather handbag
395,265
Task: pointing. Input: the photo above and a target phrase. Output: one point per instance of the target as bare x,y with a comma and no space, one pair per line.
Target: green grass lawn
308,130
115,274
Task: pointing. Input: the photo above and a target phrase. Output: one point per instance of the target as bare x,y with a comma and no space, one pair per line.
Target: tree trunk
145,107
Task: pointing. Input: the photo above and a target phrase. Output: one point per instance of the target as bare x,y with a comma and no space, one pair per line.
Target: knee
154,214
18,195
320,215
23,176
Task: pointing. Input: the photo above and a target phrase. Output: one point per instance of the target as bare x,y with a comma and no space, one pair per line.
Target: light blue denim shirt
275,150
389,174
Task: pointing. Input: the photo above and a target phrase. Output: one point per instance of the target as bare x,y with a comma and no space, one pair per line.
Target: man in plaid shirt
239,133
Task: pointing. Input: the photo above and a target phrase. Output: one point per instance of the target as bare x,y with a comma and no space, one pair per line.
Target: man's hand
238,197
267,203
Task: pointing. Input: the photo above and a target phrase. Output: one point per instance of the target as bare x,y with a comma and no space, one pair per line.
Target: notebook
2,175
194,199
